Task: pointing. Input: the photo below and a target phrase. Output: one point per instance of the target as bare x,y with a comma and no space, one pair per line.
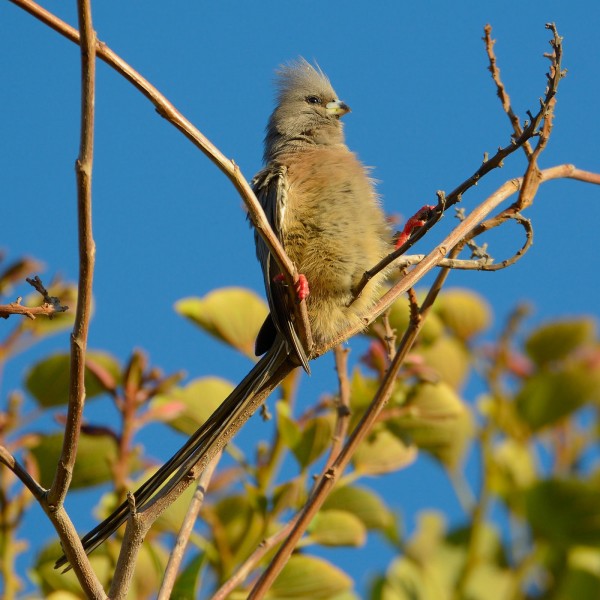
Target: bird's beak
337,108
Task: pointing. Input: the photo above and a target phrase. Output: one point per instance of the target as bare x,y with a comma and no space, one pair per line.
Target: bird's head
307,113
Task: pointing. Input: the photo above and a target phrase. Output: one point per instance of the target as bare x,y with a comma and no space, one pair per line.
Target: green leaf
186,585
50,580
362,392
436,420
337,528
449,358
464,312
288,428
291,494
96,457
382,452
399,318
240,522
309,577
186,408
582,578
232,315
48,380
514,468
547,397
362,502
565,512
557,340
315,439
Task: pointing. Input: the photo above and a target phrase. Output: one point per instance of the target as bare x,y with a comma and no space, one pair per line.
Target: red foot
417,220
301,286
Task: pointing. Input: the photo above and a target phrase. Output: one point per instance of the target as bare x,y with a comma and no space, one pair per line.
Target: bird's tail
198,446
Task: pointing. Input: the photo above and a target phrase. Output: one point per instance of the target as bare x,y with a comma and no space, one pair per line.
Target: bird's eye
313,99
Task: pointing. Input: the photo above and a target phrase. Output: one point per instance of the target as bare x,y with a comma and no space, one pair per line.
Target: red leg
417,220
301,286
302,290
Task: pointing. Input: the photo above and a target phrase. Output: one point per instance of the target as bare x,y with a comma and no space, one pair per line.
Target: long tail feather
197,446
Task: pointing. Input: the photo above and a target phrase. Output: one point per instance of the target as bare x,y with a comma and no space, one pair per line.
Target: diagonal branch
328,479
167,110
30,483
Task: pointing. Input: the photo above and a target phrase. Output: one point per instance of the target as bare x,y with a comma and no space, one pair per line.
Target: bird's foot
417,220
302,289
301,286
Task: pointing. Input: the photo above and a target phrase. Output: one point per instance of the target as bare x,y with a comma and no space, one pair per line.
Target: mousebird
322,205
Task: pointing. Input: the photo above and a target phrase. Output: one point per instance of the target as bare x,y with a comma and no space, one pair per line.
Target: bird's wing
270,187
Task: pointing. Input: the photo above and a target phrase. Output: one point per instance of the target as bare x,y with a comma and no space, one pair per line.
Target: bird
321,202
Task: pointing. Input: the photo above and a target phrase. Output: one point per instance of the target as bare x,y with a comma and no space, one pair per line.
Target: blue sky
168,225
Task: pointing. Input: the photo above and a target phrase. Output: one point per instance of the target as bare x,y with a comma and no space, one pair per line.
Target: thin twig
185,531
51,306
342,404
501,90
445,201
252,561
87,250
327,481
53,503
227,166
30,483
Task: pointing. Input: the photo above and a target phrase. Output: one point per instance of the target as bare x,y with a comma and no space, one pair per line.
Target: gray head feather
300,119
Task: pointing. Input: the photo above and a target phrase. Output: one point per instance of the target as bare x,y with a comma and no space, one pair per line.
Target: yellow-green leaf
96,457
464,312
365,504
337,528
547,397
399,318
383,452
436,420
309,577
449,358
232,315
556,340
48,380
186,408
315,438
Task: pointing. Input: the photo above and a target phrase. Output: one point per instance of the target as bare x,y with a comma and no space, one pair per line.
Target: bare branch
227,166
166,109
51,306
87,251
329,478
501,90
185,531
30,483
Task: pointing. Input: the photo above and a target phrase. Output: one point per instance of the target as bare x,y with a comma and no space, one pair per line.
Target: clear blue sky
168,225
